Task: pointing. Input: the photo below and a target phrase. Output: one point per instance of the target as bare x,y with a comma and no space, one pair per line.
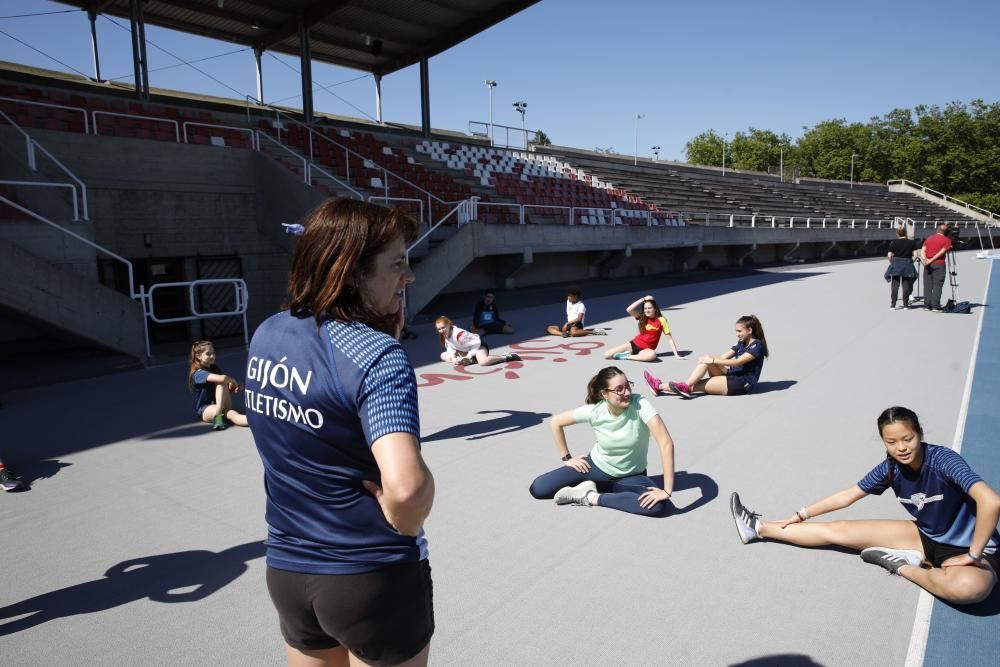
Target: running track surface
140,540
971,636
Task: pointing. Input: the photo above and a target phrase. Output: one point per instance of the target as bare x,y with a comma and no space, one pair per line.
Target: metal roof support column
305,56
92,15
139,62
425,98
378,99
257,52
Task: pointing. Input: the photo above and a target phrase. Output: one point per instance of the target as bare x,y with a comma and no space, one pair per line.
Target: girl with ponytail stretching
613,474
950,549
732,373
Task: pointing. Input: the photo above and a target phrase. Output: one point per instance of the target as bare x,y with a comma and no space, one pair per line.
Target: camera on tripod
953,234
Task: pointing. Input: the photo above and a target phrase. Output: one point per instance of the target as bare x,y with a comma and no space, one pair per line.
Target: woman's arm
837,501
635,310
558,425
727,359
407,490
987,515
231,383
662,436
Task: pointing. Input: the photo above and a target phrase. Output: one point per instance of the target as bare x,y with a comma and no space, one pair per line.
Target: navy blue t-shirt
204,391
937,495
316,401
749,372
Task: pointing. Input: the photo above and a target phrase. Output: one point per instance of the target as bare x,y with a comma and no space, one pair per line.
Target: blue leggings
620,493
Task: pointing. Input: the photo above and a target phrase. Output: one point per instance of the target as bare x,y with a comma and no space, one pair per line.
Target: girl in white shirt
464,347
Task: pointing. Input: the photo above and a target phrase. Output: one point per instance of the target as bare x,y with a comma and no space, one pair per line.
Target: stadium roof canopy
378,36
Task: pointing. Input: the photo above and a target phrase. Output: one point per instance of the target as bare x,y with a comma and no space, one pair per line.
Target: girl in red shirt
651,326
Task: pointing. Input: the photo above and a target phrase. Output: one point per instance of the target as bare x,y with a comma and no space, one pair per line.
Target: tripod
951,267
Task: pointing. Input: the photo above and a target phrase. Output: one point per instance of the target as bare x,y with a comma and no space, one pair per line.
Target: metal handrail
86,123
185,124
83,188
389,199
177,131
941,195
131,281
312,165
32,144
305,163
433,227
241,294
76,210
27,141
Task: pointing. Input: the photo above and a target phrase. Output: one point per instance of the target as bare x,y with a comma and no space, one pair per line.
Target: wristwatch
567,457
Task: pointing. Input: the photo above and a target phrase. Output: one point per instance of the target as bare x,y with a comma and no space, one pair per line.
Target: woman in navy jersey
332,403
950,549
733,373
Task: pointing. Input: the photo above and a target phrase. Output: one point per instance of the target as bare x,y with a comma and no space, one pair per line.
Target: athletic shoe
891,559
219,423
747,522
9,481
681,388
620,356
512,356
565,334
600,332
575,495
653,383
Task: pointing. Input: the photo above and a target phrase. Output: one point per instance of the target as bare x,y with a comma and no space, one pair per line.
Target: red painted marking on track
509,370
511,375
559,359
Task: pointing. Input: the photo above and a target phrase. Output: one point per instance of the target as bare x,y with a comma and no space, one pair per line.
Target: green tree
705,149
542,139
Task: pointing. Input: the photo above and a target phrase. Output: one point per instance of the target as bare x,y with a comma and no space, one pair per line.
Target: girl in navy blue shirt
949,549
732,373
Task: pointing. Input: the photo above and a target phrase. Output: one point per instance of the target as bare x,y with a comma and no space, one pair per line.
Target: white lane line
922,620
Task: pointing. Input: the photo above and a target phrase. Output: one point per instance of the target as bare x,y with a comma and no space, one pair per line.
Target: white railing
462,205
32,159
807,222
312,166
240,300
86,123
419,202
190,123
305,163
40,184
941,195
177,131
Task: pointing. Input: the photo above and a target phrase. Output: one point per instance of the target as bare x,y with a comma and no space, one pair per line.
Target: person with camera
932,254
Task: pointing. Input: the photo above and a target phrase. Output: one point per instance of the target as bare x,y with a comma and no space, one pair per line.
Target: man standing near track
933,257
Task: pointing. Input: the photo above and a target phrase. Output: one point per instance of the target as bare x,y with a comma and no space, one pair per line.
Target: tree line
955,150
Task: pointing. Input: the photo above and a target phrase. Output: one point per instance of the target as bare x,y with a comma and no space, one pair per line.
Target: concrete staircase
56,295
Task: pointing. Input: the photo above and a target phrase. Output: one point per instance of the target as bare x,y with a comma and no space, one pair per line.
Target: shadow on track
513,420
157,577
783,660
683,481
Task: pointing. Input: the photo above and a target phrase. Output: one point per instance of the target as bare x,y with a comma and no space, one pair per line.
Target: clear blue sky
586,68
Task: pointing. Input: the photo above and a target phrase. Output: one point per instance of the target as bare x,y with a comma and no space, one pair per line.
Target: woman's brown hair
338,249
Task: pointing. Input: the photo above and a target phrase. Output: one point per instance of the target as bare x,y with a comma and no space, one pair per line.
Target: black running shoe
9,481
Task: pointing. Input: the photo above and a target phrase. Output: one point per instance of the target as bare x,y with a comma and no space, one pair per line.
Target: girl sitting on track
955,512
732,373
213,389
651,325
463,347
613,474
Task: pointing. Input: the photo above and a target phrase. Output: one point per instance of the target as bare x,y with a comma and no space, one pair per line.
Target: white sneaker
747,522
575,495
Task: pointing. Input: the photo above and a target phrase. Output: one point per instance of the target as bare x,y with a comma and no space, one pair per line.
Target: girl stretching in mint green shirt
613,474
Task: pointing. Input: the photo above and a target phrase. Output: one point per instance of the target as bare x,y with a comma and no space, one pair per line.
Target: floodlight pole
656,153
724,155
781,162
92,15
378,98
257,53
491,84
853,155
635,154
521,107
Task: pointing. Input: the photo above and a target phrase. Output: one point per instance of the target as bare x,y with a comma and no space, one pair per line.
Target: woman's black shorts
635,348
937,553
384,617
735,386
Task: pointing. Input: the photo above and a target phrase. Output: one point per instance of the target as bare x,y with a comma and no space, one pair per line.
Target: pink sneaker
681,388
653,383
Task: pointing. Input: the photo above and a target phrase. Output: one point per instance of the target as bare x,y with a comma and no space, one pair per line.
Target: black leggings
894,289
620,493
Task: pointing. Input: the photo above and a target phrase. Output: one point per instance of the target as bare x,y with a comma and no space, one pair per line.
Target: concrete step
62,298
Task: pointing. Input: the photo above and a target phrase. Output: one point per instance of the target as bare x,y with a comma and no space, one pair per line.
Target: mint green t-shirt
622,440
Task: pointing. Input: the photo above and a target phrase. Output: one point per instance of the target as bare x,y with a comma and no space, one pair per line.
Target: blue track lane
971,635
